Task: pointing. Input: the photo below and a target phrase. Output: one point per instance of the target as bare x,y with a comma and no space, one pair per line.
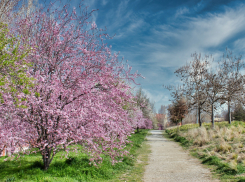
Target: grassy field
77,168
221,148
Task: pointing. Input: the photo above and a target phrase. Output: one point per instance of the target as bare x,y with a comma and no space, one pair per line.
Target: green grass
137,171
219,164
75,168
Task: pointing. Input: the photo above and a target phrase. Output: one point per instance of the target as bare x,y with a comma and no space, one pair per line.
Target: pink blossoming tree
80,89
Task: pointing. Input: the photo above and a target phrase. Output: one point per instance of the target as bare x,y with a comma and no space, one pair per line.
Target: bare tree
214,88
190,117
233,79
194,83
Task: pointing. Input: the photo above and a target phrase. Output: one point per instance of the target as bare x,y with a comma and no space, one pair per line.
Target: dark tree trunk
46,158
199,116
181,121
212,115
137,129
229,111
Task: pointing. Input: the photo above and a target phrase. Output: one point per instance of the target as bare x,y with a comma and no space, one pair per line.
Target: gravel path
168,162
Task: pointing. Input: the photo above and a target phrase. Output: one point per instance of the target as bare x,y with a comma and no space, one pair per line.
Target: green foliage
239,113
12,64
75,168
37,94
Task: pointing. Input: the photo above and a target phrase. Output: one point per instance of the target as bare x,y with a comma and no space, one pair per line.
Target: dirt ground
168,162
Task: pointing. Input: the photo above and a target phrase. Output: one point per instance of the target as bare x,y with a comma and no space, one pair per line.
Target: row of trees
208,84
61,85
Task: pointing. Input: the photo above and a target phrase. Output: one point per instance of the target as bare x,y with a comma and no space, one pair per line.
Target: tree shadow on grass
74,167
19,168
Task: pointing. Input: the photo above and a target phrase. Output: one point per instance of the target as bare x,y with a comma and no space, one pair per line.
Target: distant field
221,148
75,168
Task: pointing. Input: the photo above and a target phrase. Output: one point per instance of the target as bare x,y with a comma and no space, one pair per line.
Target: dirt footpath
168,162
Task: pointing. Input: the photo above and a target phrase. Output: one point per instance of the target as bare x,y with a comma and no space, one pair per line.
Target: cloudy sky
159,36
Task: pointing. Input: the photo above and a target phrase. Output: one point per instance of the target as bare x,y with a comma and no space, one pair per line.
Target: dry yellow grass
224,142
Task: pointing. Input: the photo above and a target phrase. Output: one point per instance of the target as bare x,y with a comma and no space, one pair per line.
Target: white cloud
199,6
157,97
173,45
240,44
133,26
122,7
187,10
181,11
169,46
104,2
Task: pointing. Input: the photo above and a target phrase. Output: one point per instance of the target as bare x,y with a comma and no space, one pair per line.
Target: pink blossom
79,94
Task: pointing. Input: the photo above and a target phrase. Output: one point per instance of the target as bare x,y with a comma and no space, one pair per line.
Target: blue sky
159,36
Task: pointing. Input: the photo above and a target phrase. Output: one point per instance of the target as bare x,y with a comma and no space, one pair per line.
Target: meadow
76,167
222,148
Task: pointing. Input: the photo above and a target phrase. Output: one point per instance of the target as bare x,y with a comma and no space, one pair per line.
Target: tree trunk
46,158
181,121
199,116
212,115
137,129
229,111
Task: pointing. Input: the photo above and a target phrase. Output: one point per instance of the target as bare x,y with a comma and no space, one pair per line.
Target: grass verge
220,148
137,171
76,168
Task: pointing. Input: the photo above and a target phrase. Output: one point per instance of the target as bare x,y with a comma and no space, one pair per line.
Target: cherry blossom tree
79,93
